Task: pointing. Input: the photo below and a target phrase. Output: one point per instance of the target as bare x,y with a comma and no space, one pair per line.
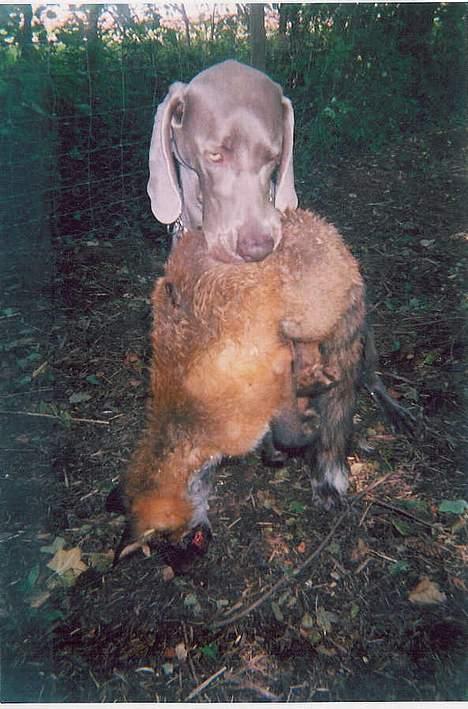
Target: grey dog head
221,159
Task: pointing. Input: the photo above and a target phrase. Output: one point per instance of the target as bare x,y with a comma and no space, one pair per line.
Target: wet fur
225,340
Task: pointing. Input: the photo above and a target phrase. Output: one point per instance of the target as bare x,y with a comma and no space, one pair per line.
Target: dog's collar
272,192
176,229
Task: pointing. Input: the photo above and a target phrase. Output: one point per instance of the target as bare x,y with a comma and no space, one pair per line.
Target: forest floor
378,614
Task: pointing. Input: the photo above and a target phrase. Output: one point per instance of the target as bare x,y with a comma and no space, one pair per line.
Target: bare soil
347,627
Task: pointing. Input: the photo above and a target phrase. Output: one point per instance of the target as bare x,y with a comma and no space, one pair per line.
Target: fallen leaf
334,548
314,636
167,668
456,507
402,527
360,551
367,468
65,580
168,573
70,560
57,544
267,500
36,600
280,476
79,397
307,621
181,652
132,360
426,592
399,567
277,612
210,650
276,543
30,579
458,525
357,468
458,583
191,601
327,651
414,504
325,619
285,598
53,615
101,560
296,507
301,547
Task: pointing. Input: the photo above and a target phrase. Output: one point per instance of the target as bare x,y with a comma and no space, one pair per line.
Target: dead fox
238,352
224,340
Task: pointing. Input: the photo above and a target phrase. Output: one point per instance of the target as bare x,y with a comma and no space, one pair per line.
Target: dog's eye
215,157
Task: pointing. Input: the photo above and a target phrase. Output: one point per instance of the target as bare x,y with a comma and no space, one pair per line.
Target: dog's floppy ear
163,186
285,194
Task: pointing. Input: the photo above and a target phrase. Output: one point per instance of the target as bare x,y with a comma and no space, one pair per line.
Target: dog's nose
254,246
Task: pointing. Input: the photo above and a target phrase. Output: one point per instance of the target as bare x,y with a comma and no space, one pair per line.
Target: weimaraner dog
221,160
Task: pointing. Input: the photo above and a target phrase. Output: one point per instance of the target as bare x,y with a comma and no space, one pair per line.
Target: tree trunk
124,18
92,37
186,23
257,35
26,45
212,29
415,31
283,19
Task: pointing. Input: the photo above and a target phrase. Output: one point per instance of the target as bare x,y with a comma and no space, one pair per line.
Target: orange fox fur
222,359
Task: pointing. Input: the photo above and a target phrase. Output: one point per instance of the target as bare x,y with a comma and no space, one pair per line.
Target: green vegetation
359,74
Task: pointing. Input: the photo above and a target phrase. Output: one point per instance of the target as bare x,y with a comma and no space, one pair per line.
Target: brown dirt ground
344,629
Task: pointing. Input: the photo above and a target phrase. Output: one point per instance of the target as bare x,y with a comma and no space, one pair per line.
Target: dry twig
190,661
253,687
404,513
205,684
54,416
